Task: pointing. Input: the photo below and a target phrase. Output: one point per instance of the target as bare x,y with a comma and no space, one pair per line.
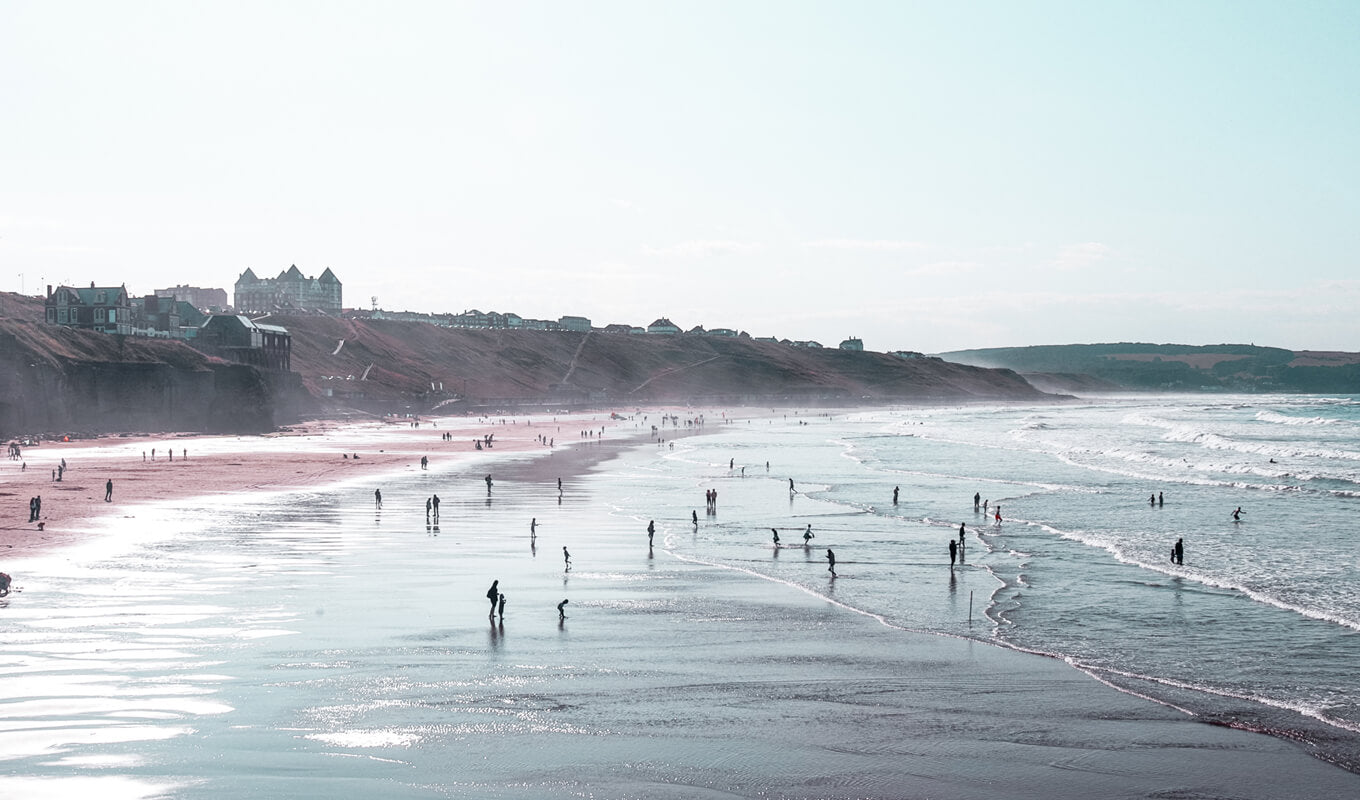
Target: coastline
899,713
152,468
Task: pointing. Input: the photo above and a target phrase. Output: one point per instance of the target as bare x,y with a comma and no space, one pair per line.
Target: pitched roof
328,277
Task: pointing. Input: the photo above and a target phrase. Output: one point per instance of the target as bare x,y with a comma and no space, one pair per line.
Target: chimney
49,291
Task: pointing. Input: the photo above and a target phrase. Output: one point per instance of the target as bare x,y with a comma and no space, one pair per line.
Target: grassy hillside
1177,367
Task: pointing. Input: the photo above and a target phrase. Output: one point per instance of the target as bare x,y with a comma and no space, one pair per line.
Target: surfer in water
1237,515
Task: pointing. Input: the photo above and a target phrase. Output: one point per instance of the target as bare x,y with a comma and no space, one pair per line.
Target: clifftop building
197,296
289,291
106,309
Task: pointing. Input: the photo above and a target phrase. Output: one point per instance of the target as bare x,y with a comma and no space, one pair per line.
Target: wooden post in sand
970,609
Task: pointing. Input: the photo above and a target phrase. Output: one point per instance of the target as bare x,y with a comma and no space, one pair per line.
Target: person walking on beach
1178,553
500,611
494,595
533,527
1152,499
429,505
895,488
953,552
976,497
998,514
694,516
651,531
1160,501
488,484
831,562
808,536
791,489
561,610
435,502
377,498
108,491
775,531
961,541
559,485
566,557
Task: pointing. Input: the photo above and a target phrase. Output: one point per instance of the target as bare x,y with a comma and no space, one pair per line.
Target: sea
232,645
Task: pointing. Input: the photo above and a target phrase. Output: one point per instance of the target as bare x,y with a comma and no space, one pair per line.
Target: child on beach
561,610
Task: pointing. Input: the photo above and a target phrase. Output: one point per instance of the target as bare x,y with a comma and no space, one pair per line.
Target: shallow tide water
306,644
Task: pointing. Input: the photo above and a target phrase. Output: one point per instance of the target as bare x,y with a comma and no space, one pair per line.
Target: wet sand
668,679
161,468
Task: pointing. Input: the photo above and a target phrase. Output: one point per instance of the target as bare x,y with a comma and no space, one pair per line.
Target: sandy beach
158,468
669,677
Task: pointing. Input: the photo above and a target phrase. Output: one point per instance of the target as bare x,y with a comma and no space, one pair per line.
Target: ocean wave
1285,419
1116,549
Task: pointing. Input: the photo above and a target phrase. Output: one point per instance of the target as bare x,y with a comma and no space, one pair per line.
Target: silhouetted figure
500,611
1237,515
1178,553
561,610
493,594
808,536
1152,499
895,488
831,562
566,556
791,489
977,496
775,531
1160,501
961,529
435,502
377,498
651,531
953,552
694,517
108,491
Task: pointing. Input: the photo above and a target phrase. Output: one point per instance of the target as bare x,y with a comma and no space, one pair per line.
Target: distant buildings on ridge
290,291
191,312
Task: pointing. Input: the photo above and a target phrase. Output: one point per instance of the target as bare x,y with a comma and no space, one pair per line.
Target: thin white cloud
943,268
703,249
1081,256
883,245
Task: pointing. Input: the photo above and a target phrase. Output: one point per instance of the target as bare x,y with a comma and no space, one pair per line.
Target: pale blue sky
925,176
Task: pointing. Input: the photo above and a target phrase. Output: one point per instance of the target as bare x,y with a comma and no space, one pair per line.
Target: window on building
99,315
61,316
113,315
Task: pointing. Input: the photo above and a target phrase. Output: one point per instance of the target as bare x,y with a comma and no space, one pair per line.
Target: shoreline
1061,712
150,468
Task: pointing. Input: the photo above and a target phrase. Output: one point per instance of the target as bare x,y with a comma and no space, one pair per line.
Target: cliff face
55,379
411,365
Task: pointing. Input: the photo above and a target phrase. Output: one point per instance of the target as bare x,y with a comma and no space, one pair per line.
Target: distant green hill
1177,367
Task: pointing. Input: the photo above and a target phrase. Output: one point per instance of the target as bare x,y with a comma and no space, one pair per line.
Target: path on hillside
574,356
663,373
